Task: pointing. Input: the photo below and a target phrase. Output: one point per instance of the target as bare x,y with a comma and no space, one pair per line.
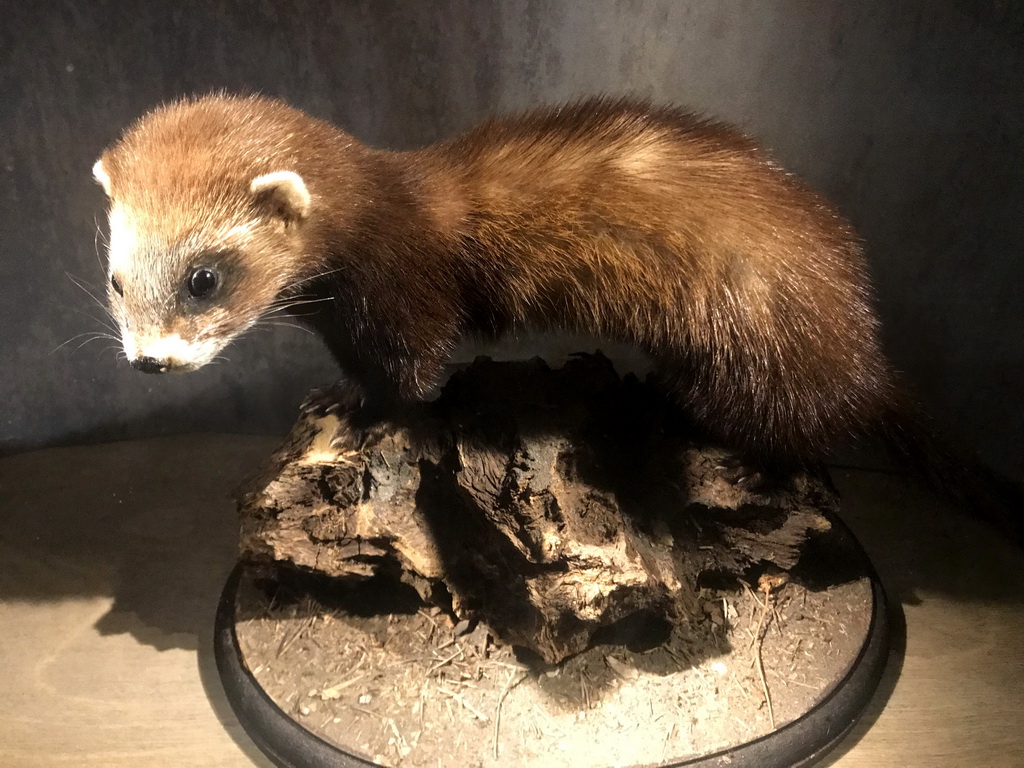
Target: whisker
298,301
92,336
289,307
84,286
290,294
317,276
264,324
96,243
105,323
101,304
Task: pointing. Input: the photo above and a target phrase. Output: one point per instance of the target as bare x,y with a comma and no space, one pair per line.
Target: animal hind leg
760,457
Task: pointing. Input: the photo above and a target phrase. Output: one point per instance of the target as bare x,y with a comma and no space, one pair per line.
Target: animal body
646,225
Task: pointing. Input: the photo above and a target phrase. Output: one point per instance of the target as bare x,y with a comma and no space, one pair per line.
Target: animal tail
915,443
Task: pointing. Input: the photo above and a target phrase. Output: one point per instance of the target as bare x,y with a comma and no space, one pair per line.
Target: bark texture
548,503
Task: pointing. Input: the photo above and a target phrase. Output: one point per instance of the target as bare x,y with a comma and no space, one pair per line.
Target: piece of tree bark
549,503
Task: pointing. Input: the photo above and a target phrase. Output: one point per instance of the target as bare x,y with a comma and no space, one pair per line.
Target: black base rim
798,744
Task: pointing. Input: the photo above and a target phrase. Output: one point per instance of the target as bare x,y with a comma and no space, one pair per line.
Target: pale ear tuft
100,174
285,191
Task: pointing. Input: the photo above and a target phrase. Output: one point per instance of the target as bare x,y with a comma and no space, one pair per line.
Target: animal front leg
377,400
343,396
358,423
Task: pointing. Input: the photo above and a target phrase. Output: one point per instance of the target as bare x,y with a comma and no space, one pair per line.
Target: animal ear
283,193
100,174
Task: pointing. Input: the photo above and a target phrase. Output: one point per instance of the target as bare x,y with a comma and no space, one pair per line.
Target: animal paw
341,397
739,473
357,434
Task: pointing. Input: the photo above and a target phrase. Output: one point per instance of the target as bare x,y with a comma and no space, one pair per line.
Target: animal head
207,214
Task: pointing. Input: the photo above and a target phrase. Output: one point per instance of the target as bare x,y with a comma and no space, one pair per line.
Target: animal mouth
167,354
149,365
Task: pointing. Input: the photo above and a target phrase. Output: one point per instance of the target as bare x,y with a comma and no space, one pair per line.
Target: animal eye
202,282
116,285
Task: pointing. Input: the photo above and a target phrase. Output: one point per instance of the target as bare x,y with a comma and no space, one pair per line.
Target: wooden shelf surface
113,557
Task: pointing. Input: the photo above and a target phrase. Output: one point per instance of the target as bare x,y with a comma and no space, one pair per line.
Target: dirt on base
372,670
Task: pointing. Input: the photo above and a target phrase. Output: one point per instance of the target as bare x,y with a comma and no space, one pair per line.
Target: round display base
801,741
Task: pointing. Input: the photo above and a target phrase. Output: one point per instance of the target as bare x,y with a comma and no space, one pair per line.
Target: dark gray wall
908,114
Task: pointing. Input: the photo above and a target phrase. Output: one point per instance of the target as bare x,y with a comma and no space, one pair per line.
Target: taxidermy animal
646,225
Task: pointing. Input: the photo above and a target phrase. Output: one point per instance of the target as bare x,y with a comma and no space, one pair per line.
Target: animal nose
149,365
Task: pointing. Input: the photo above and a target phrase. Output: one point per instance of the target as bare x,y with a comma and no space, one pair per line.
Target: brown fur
645,225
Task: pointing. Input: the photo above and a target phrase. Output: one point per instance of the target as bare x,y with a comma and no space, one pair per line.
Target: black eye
116,285
202,282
